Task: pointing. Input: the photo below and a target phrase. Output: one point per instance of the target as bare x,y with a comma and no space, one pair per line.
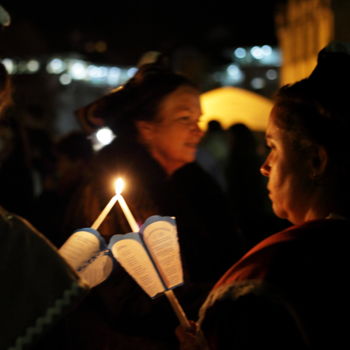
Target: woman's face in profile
287,172
173,137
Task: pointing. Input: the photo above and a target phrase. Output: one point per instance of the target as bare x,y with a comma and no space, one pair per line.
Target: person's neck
168,166
321,204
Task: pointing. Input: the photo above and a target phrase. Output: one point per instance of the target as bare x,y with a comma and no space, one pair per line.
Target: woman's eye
184,120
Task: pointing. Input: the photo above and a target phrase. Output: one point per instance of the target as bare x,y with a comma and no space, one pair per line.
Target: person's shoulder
12,225
15,223
251,314
321,229
289,248
33,266
304,231
276,250
20,239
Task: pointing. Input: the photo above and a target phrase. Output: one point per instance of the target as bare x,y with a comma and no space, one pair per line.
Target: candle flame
119,185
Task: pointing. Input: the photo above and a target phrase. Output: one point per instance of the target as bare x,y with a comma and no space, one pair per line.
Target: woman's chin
279,212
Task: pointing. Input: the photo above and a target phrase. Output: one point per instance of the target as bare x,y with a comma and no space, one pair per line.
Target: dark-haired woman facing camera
155,119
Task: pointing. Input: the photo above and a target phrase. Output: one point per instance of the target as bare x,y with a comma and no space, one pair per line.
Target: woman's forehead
273,129
271,125
182,99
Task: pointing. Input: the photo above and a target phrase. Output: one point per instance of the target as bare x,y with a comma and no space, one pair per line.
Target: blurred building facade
303,28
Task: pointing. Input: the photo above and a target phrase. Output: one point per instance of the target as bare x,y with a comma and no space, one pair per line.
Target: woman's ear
319,162
145,131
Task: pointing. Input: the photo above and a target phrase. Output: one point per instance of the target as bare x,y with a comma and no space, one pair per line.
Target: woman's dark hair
312,116
138,99
316,111
299,112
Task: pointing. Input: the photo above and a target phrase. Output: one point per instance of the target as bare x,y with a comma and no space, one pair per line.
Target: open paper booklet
86,251
151,256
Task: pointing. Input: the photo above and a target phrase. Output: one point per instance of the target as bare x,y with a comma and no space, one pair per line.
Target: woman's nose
197,129
265,169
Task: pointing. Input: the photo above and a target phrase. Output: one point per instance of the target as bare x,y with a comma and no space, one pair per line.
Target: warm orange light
231,105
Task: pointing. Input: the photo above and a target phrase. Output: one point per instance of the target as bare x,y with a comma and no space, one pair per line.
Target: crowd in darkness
213,187
210,182
39,174
263,233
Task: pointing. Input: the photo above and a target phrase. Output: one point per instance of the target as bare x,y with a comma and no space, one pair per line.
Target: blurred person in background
72,153
246,187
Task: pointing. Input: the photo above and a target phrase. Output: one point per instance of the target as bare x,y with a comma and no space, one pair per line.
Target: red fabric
256,262
306,267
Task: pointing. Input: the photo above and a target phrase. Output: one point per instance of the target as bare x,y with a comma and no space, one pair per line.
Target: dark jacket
37,287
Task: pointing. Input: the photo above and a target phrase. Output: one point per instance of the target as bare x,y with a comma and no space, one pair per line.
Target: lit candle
118,188
127,212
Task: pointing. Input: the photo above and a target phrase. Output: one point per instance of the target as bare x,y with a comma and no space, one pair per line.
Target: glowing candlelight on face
119,184
127,212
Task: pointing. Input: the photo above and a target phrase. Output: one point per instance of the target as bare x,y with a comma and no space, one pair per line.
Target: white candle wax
127,212
105,212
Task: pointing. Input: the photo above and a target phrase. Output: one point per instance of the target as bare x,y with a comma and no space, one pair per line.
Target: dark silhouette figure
72,154
246,187
16,178
212,152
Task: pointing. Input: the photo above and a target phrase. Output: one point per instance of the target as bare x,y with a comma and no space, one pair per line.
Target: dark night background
129,28
198,37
